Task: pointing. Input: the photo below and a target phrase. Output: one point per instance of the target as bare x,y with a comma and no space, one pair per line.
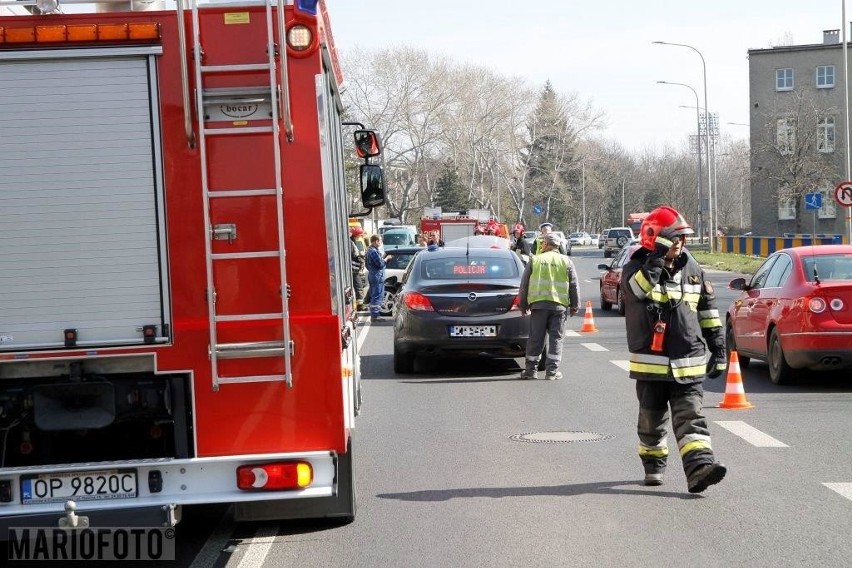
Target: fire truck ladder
219,351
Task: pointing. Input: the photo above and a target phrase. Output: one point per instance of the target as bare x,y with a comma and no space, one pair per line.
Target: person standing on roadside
670,313
357,261
519,243
548,293
376,276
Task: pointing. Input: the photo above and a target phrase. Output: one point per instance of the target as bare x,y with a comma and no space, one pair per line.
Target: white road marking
258,547
362,334
570,333
844,489
216,542
623,364
751,434
594,347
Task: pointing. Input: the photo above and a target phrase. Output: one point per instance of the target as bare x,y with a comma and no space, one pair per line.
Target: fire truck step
238,131
239,255
253,379
234,68
250,350
248,317
241,192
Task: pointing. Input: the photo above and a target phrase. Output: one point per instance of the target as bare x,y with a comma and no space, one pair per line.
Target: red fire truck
160,344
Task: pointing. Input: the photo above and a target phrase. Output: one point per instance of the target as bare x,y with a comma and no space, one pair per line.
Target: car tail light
516,304
816,305
417,301
275,476
836,304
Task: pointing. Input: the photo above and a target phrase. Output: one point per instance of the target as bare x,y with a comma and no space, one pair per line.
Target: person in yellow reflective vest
670,313
548,294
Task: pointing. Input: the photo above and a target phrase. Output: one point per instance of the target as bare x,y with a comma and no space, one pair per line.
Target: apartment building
798,137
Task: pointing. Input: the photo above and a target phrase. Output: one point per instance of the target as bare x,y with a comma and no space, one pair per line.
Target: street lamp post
706,120
712,185
700,183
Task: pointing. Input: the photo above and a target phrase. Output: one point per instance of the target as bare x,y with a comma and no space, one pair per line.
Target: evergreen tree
549,158
450,194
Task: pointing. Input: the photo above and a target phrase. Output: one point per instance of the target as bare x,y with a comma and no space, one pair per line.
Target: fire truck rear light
299,37
46,34
275,476
83,32
20,35
144,31
112,31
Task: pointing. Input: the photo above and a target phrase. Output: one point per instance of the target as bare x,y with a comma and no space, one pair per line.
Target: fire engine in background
460,224
160,345
634,221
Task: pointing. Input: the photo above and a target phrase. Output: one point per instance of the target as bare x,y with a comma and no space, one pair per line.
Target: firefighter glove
716,365
661,247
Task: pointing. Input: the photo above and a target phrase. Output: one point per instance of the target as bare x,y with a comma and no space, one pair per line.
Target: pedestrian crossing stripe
844,489
750,434
623,364
594,347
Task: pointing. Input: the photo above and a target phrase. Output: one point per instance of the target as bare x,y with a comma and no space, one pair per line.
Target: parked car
611,279
530,237
398,237
458,302
565,248
602,238
795,312
595,239
580,239
616,239
395,267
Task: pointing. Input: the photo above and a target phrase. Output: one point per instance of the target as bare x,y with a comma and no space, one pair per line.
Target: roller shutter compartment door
79,202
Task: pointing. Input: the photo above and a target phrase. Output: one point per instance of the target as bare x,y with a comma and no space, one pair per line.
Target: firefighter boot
653,479
705,476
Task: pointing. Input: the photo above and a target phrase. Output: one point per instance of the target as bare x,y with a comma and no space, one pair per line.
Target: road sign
813,201
843,193
538,209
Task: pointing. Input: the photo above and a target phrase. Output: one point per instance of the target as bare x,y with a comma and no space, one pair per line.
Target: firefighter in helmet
357,253
519,243
675,338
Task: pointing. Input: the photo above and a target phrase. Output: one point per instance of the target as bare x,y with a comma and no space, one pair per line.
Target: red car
795,312
611,279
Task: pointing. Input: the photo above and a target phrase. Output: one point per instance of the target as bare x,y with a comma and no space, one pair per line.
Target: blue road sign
538,209
813,201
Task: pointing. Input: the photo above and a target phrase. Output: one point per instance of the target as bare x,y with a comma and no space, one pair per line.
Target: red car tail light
516,304
836,304
275,476
816,305
418,302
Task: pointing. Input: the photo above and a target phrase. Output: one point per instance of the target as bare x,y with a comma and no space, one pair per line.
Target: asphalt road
454,469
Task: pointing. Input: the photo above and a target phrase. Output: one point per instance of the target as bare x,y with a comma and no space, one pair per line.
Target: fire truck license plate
78,486
473,331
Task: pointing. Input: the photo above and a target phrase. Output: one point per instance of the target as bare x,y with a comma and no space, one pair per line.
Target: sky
602,50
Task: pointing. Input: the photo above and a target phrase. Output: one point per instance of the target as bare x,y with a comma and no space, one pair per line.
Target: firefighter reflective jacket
683,301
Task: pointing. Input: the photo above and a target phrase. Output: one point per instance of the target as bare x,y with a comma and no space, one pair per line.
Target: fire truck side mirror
372,185
367,144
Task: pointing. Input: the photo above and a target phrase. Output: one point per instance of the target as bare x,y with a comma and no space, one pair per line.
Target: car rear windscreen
469,268
828,267
402,239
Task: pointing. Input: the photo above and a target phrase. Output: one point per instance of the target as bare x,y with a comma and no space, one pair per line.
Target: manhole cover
560,437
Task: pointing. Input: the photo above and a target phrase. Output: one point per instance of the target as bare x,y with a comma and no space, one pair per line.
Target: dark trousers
377,290
656,398
546,325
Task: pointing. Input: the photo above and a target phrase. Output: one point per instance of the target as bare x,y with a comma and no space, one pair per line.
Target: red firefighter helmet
356,231
663,222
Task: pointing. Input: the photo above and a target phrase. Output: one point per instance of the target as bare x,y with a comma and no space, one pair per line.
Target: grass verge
728,262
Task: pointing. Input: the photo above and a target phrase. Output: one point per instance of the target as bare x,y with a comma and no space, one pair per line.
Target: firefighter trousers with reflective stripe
688,423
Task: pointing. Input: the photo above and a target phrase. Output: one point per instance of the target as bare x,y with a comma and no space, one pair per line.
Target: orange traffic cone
735,397
588,320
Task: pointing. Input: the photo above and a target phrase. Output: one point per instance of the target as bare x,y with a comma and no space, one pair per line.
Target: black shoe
705,476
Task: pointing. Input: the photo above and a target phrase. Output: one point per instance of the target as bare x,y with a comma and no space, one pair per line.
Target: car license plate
78,486
473,331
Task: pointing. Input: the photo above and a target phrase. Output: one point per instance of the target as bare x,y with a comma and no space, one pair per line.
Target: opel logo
471,297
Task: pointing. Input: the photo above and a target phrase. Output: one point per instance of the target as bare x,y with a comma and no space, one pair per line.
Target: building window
786,209
829,207
825,134
786,136
825,76
784,79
